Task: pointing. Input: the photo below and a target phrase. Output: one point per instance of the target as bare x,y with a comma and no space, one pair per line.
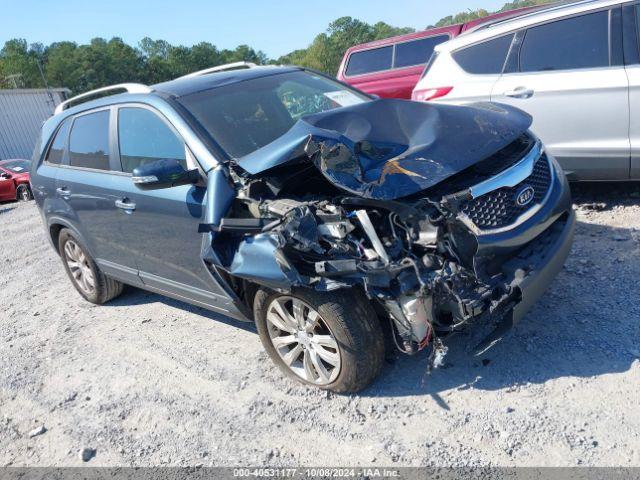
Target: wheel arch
55,226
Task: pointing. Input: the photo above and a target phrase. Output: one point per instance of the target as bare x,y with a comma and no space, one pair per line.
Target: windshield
16,166
246,116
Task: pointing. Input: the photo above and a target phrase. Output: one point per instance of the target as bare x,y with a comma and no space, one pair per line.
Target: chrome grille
498,208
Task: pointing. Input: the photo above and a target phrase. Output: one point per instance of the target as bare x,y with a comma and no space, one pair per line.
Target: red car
14,180
391,67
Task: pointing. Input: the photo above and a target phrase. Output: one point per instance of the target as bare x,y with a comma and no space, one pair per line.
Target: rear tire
86,277
345,315
23,193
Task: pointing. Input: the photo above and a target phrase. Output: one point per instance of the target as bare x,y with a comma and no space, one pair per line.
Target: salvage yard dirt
145,380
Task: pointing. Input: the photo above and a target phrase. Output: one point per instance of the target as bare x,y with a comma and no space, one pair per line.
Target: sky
275,27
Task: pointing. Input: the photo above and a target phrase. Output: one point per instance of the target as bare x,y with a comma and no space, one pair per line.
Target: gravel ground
146,380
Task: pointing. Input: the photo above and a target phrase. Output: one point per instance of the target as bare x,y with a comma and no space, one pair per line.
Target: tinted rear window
89,141
578,42
417,52
56,151
368,61
486,57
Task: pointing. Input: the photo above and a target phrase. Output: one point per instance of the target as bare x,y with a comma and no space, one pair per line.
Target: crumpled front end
477,247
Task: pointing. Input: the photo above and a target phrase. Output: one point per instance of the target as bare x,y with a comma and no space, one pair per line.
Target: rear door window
484,58
56,151
145,138
417,52
573,43
89,141
368,61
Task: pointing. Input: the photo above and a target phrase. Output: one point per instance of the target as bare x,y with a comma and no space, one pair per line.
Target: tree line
105,62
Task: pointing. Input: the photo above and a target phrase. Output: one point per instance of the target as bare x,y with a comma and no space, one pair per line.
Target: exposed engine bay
350,204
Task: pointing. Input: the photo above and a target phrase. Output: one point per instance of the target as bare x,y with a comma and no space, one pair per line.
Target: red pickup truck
391,67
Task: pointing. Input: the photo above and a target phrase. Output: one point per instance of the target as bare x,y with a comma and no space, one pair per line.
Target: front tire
86,277
331,340
23,193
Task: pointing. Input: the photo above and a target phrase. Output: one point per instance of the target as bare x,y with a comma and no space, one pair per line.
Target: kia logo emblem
525,195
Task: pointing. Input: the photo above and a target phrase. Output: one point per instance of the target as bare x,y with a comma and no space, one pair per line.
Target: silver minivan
575,68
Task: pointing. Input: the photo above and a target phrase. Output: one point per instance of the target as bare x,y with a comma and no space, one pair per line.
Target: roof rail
221,68
129,87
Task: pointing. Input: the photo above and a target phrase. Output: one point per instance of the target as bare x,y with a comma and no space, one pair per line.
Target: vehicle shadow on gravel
586,324
6,209
604,195
135,296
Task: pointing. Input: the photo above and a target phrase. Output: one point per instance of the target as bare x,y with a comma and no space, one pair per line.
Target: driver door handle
64,191
519,92
125,204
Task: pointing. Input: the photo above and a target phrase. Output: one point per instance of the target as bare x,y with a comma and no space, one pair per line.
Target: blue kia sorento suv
340,223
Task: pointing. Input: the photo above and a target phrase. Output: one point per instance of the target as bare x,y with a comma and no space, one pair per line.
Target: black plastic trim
630,35
616,53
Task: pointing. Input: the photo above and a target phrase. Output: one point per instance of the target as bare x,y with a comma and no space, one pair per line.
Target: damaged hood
387,149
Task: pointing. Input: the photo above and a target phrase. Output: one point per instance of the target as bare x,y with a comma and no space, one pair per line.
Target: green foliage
104,62
101,62
19,63
327,49
523,3
464,17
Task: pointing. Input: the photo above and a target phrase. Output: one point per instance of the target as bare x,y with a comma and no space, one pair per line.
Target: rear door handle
519,92
125,204
64,191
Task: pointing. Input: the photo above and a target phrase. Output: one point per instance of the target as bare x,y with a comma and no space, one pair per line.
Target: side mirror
374,96
5,176
163,174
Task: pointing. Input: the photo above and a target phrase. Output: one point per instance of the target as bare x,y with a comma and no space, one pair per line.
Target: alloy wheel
303,340
78,264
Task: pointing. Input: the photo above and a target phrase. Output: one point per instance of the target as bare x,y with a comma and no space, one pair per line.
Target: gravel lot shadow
605,195
136,296
5,209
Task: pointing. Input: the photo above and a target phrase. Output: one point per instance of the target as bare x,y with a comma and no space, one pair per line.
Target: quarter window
486,57
145,138
577,42
56,151
368,61
417,52
89,141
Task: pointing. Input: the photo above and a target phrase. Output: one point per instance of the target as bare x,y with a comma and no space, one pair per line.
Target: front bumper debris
543,261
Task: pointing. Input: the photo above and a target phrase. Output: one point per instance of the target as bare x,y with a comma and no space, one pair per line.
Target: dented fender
258,259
